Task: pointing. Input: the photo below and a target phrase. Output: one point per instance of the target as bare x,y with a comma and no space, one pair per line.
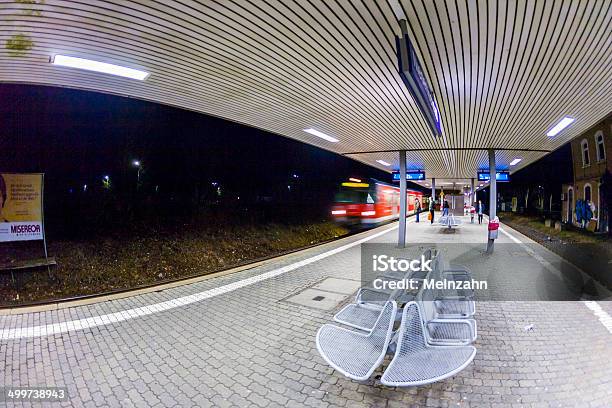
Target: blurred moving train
371,202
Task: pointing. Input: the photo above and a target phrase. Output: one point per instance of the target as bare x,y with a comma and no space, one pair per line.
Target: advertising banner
21,217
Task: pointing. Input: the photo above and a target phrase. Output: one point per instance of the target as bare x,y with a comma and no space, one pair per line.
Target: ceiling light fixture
321,135
515,161
563,123
96,66
384,163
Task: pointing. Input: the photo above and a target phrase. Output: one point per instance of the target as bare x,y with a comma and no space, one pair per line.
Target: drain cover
318,298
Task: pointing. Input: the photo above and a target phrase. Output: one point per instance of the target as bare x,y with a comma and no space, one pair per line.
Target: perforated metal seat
451,331
417,363
357,354
450,221
359,315
454,308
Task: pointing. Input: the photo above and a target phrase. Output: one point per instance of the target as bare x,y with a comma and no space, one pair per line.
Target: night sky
77,137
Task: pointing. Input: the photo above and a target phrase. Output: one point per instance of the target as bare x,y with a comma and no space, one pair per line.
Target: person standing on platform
480,209
432,207
445,209
417,206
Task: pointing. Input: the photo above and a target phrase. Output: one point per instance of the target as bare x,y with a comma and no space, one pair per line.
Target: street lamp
136,163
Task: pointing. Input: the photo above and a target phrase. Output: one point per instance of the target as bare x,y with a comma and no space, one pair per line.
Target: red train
370,202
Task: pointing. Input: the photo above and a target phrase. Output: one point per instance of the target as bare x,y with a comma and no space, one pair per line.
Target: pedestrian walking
480,209
417,205
445,208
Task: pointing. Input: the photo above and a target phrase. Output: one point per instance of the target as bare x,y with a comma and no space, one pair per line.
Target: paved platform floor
235,340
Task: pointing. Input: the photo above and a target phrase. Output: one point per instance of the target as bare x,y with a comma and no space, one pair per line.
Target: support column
472,194
433,193
492,195
433,188
401,240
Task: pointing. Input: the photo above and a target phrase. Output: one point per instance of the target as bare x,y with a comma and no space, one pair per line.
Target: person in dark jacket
417,206
479,209
432,207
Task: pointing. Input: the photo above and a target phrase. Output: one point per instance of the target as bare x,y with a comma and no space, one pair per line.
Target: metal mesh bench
359,315
363,314
451,331
417,363
447,313
357,354
369,301
449,221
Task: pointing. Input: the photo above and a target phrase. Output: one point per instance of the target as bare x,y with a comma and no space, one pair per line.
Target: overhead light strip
321,135
563,123
97,66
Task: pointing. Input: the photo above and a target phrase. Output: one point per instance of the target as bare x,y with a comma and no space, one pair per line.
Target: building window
600,146
585,153
587,192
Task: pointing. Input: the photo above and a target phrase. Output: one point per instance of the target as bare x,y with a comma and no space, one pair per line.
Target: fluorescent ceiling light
321,135
515,161
563,123
384,163
97,66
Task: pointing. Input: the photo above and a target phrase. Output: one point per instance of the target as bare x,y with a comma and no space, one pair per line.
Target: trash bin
493,228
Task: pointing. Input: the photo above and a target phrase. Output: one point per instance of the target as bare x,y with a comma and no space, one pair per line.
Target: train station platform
248,338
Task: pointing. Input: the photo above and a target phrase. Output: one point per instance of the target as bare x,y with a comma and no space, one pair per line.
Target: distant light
366,213
355,185
384,163
480,185
338,212
136,163
97,66
214,184
295,176
106,177
85,187
356,180
426,184
563,123
321,135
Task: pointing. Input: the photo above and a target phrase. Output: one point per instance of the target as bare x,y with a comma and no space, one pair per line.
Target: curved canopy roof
503,72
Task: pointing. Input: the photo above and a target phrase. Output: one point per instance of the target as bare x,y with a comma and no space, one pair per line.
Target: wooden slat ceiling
503,72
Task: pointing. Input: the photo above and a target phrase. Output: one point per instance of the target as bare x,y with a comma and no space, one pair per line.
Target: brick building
590,157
